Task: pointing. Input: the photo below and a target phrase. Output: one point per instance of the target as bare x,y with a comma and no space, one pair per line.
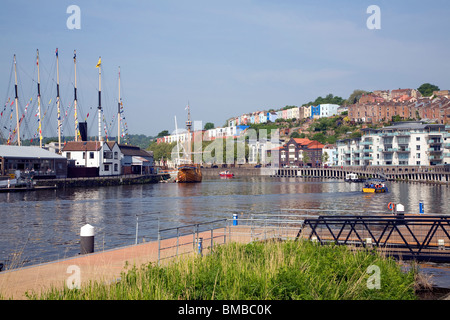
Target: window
106,167
417,148
68,155
418,155
417,138
91,155
116,167
116,156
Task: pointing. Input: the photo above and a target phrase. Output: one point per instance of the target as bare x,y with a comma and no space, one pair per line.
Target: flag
56,51
99,63
74,56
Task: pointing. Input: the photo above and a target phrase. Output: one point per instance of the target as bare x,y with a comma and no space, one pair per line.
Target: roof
315,145
128,150
302,141
29,152
83,146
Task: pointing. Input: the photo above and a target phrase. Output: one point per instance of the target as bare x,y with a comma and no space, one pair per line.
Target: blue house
315,112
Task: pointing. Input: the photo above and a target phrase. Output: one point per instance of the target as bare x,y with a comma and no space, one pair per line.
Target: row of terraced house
304,112
407,104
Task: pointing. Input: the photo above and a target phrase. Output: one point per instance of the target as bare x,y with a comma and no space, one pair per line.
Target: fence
176,241
419,237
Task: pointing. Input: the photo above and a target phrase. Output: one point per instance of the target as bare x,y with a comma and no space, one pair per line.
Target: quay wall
429,174
102,181
432,174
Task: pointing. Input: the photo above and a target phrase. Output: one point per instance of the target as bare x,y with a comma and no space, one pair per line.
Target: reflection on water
45,225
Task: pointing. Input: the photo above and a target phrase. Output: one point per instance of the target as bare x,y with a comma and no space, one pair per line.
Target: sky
223,58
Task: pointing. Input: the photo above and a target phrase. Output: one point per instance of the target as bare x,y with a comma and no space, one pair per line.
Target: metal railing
419,237
181,240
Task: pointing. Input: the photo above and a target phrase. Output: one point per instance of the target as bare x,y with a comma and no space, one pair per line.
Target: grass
258,271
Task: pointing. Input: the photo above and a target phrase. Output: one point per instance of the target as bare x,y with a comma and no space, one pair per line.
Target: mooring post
235,219
421,207
200,246
87,239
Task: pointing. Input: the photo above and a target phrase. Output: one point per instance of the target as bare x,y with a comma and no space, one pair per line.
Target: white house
328,110
95,154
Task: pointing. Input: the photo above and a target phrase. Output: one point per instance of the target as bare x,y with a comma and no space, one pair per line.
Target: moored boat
226,174
353,177
189,173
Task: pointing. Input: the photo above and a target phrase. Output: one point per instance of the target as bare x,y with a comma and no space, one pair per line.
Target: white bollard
87,239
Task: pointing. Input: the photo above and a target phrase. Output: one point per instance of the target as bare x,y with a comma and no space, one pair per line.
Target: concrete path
105,266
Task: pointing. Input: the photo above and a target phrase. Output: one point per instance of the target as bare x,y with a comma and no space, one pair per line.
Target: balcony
368,150
436,157
434,150
447,145
434,141
389,134
404,150
403,134
447,154
368,158
367,143
390,150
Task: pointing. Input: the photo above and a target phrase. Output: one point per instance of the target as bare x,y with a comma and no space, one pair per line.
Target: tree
209,125
325,157
355,96
305,157
163,134
295,135
427,89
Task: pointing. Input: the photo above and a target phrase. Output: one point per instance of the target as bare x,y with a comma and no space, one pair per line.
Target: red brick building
294,153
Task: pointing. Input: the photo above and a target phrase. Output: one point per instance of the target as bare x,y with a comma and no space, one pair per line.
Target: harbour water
43,226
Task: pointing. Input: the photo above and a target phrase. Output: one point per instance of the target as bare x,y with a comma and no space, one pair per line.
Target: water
44,226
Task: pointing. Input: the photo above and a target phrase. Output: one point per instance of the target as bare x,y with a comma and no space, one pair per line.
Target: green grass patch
258,271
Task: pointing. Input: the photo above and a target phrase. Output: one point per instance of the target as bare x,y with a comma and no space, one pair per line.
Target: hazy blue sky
224,57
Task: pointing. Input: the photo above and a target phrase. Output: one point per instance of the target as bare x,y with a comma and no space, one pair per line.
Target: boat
226,174
375,187
189,172
353,177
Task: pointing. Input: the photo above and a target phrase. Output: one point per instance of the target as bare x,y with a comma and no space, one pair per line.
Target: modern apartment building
404,143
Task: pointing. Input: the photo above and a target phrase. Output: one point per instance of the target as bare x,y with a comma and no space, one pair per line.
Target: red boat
226,174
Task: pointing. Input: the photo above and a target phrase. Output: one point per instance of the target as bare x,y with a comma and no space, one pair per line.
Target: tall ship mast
99,66
58,102
75,95
39,100
118,113
189,172
16,99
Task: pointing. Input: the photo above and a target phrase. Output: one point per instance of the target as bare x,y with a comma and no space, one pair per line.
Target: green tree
320,137
427,89
295,135
162,150
306,157
209,125
163,134
355,96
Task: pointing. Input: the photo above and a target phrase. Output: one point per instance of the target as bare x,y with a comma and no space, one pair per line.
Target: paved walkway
105,266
